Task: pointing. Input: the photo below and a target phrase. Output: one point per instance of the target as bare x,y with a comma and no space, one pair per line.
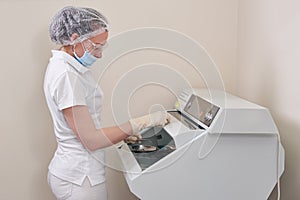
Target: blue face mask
87,59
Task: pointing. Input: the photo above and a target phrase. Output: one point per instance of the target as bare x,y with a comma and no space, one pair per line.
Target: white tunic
67,83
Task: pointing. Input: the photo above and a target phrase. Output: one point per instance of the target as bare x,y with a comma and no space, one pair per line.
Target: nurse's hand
160,118
133,139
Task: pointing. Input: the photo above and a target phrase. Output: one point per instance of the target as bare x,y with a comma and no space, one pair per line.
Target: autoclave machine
216,147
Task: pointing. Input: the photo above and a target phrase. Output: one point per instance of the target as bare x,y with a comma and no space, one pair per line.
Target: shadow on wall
289,184
43,145
289,133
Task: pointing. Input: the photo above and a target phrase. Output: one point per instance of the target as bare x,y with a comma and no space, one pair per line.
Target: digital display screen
201,110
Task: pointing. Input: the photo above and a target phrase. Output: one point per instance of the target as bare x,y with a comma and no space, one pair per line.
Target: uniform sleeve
69,91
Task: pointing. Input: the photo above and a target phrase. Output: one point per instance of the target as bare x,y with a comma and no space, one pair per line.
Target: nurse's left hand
133,139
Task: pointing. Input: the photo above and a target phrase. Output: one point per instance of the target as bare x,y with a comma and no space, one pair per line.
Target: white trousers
64,190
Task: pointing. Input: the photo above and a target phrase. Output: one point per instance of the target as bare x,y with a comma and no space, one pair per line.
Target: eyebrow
98,43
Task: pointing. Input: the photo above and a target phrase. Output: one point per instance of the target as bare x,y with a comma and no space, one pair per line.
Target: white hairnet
86,22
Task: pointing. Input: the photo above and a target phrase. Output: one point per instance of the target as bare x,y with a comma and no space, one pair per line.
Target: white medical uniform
67,83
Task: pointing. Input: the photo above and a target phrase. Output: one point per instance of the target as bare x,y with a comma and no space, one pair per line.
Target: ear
74,37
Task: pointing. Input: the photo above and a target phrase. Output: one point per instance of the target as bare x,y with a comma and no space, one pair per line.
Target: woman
76,171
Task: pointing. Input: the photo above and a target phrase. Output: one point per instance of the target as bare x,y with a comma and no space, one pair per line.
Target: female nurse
76,171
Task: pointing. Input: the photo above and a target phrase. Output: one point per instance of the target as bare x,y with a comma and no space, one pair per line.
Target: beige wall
27,141
268,73
255,43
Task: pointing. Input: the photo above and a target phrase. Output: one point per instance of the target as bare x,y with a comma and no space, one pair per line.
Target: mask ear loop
74,49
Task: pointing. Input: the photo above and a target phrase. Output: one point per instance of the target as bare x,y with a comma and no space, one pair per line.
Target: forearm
82,124
108,136
80,121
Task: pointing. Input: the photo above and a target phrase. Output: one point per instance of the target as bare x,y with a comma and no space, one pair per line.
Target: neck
68,49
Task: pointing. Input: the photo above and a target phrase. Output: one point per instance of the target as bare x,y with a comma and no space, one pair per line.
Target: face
94,45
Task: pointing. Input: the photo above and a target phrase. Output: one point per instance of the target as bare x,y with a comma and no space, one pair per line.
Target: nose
98,55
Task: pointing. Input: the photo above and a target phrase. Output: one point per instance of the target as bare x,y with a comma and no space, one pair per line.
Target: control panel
201,109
